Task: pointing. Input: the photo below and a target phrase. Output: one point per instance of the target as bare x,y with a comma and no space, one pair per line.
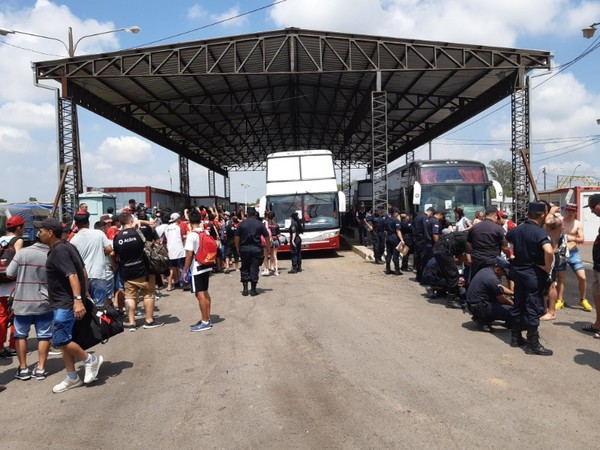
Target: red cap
14,222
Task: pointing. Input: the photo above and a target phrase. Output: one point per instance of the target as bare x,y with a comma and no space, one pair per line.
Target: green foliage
33,199
501,171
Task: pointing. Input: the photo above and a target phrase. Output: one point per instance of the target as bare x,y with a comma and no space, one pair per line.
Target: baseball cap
502,263
174,217
50,223
14,222
536,207
106,219
593,201
571,206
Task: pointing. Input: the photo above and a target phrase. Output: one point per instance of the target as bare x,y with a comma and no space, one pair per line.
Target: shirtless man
553,226
573,232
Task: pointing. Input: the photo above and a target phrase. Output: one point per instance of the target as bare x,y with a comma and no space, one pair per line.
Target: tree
3,200
33,199
501,171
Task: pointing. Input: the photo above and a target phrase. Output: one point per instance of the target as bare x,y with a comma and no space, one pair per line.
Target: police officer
431,235
248,244
419,224
377,226
530,270
407,235
392,239
488,299
447,250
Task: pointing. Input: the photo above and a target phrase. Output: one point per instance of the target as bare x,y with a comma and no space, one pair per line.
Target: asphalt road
339,356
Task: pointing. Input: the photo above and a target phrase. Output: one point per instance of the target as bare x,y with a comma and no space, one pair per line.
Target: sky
564,103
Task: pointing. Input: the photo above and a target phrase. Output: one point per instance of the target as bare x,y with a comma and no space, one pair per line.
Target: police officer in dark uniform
407,235
248,244
446,251
431,235
530,270
419,224
377,224
487,299
393,237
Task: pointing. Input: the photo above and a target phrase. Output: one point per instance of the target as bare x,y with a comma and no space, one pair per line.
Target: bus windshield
469,197
318,211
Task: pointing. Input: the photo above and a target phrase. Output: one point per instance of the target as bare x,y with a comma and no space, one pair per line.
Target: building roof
226,103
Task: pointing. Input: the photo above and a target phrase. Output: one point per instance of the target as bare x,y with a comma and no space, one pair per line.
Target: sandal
590,328
170,289
597,335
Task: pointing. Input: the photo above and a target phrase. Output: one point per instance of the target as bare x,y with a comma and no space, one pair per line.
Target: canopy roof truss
226,103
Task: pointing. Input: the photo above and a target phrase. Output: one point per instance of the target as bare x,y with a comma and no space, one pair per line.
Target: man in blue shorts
31,307
199,274
67,284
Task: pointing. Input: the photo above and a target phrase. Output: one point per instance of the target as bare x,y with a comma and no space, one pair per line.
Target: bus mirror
416,200
262,206
499,192
341,201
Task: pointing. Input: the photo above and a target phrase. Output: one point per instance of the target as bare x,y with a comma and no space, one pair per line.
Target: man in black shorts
199,274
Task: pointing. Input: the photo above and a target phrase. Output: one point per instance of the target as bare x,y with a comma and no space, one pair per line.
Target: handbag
98,325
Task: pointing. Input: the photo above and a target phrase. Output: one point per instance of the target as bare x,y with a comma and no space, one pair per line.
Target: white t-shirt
160,230
6,288
91,244
462,224
174,241
192,242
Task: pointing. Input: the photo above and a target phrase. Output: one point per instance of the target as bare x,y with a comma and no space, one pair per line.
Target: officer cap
593,201
502,263
537,207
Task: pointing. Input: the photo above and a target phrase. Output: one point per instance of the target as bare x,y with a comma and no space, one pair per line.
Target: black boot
388,270
453,302
397,271
516,339
533,343
253,292
245,291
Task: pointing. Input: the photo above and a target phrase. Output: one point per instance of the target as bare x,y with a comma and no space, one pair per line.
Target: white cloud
231,12
35,115
15,141
195,12
126,149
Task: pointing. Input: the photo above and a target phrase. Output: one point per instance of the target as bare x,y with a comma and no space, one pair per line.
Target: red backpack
207,249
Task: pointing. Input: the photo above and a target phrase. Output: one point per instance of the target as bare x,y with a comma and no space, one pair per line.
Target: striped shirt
31,290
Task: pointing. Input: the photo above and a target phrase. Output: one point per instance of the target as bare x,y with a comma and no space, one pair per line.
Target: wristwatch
77,297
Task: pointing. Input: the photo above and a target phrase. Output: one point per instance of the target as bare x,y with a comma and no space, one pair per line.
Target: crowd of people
47,283
489,266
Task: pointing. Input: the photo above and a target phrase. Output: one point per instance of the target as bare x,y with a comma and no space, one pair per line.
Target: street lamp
70,47
573,175
245,186
588,32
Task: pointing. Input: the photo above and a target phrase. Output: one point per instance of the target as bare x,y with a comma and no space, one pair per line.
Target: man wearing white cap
174,239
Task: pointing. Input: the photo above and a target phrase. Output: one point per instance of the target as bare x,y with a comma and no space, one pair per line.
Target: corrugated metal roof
227,102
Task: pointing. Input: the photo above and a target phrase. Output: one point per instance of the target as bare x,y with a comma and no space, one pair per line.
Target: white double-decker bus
304,181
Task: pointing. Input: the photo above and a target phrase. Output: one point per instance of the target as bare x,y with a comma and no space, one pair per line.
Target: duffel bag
98,325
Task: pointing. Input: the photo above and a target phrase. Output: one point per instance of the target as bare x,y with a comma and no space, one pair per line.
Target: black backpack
7,253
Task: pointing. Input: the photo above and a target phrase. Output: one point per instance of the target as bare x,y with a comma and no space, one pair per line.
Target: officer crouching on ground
530,269
487,298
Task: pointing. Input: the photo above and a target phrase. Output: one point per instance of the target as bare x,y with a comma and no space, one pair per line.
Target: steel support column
211,183
184,176
68,155
379,149
227,187
520,141
345,177
410,157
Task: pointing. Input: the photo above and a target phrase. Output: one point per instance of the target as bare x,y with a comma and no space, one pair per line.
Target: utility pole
544,172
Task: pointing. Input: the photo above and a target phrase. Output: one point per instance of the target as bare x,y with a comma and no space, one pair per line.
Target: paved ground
339,356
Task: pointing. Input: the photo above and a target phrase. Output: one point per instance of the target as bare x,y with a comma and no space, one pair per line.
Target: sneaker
23,374
39,374
196,324
132,327
67,384
8,353
559,304
585,304
265,272
276,273
154,324
92,368
202,326
54,352
139,314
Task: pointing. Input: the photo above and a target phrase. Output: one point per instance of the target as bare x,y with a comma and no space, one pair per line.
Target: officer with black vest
393,237
377,227
447,250
419,225
487,299
530,269
248,244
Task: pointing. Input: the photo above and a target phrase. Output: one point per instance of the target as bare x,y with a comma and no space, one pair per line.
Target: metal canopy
226,103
